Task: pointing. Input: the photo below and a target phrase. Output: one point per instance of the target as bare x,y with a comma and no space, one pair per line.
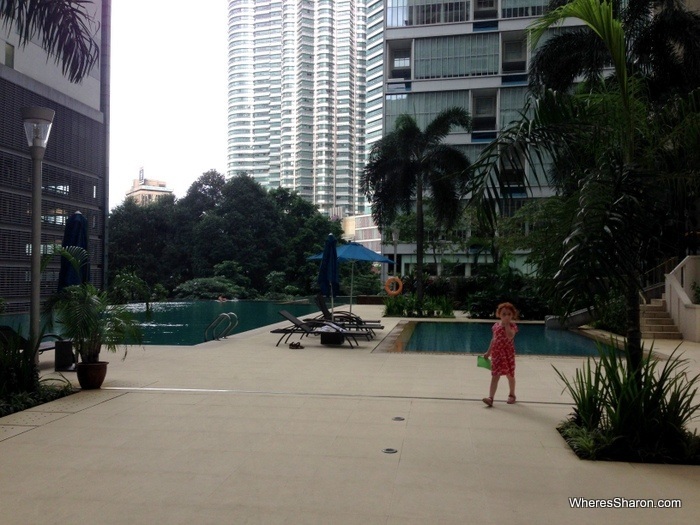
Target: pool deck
240,431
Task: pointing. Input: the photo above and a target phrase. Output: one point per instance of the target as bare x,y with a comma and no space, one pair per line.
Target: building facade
297,97
146,191
475,55
75,165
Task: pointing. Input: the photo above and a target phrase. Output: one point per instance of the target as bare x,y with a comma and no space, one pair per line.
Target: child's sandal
511,400
488,401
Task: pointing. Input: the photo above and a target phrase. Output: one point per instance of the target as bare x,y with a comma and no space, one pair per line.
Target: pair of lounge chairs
346,319
327,330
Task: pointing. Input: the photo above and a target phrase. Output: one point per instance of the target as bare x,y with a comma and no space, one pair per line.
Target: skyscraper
297,97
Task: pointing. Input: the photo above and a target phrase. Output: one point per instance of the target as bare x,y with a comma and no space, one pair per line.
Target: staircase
656,322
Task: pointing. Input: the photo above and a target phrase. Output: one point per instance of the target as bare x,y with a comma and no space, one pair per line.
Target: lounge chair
9,335
317,327
346,319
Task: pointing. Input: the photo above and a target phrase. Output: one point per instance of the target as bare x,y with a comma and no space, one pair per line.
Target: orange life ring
391,292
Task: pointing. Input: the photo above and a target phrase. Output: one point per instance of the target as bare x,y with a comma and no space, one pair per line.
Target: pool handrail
232,322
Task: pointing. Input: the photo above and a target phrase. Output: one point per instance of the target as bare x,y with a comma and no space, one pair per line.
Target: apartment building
146,191
297,98
473,54
75,175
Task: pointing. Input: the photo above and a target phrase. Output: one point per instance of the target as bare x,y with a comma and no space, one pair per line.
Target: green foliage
227,228
611,313
2,305
410,160
275,281
18,370
625,416
46,391
366,280
694,287
85,316
406,305
159,293
485,291
210,288
128,287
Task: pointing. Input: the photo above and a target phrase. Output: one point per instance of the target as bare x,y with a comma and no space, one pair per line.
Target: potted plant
90,322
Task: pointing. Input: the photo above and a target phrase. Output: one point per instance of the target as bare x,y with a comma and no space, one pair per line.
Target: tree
141,239
407,162
64,28
663,41
626,153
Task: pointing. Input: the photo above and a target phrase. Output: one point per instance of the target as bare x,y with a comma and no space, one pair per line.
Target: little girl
502,351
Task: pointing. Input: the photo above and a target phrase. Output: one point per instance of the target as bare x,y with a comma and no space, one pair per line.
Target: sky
168,93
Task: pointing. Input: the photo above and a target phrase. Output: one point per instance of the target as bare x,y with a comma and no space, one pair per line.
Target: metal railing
221,327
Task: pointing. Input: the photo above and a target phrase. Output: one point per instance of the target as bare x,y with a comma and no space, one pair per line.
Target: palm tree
408,162
663,40
626,155
64,28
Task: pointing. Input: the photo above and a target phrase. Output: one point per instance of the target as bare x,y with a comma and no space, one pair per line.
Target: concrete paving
240,431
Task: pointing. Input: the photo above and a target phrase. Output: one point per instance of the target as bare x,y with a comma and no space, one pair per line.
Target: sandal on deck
511,400
488,401
295,346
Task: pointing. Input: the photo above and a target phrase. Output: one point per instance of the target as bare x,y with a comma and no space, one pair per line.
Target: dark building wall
74,179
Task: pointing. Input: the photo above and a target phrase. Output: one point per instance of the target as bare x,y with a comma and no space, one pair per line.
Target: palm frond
64,28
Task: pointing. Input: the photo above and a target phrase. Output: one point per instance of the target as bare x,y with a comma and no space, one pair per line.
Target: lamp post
395,238
37,126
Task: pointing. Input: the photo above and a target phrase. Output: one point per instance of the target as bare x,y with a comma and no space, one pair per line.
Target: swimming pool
474,338
184,323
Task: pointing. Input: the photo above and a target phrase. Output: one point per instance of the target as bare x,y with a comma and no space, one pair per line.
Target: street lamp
37,126
395,238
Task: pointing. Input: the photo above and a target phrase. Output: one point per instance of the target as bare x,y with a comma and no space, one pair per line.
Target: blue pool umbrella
353,252
75,234
328,272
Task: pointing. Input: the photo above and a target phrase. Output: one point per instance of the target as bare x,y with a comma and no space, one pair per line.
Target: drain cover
389,451
399,418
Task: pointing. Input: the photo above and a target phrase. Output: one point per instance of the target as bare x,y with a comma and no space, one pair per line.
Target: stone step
659,328
661,335
658,302
656,322
652,308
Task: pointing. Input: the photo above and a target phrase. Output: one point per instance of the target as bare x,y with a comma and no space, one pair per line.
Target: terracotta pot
91,375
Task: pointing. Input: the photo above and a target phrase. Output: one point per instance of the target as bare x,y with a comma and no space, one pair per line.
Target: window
514,57
484,111
485,9
9,55
400,63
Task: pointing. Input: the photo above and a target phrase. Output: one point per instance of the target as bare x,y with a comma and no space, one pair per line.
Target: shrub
611,313
406,306
624,416
209,288
20,386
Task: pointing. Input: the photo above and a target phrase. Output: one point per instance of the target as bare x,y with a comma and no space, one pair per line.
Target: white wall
679,293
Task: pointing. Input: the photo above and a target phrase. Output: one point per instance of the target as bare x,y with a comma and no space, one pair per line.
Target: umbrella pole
330,285
352,283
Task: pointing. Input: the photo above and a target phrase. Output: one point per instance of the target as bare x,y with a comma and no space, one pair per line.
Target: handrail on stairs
221,327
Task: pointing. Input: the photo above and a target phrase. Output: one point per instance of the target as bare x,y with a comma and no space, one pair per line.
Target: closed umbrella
353,252
75,234
328,272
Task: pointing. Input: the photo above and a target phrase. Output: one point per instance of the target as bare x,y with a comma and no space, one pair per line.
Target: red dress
502,351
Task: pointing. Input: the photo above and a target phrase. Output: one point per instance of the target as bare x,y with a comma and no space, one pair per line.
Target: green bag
483,362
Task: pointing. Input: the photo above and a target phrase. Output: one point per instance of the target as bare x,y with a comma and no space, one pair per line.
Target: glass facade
297,76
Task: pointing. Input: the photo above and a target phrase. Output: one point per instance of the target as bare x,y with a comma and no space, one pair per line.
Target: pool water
184,323
474,338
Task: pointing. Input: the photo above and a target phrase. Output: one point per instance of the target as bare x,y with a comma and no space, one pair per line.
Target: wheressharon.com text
624,503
